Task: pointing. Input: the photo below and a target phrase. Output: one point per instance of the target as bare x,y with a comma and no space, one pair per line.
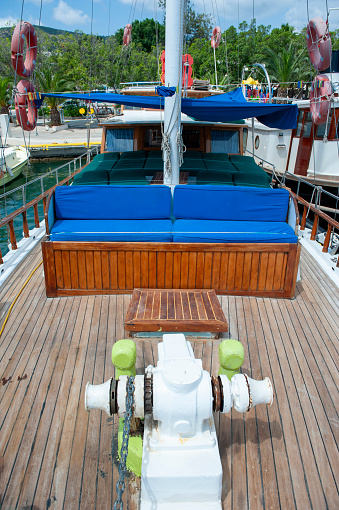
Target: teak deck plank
55,455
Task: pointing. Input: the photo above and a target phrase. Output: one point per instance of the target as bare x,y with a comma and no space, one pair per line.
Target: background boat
12,162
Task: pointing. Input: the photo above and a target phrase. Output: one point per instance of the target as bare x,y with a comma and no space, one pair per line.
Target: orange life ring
216,36
319,43
22,31
127,34
187,70
24,99
320,99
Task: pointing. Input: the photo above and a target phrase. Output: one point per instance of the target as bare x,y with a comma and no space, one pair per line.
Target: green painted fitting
124,355
134,455
231,357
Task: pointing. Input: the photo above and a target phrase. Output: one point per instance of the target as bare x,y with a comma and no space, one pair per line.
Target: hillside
7,31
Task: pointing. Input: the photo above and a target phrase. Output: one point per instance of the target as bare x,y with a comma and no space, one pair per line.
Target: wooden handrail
331,223
319,213
9,220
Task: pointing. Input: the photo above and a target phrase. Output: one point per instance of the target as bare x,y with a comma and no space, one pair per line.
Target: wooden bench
86,267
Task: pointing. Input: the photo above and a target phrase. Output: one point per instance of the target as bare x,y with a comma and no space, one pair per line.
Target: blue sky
109,15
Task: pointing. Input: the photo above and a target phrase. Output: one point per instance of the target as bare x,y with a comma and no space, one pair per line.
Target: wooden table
169,310
158,178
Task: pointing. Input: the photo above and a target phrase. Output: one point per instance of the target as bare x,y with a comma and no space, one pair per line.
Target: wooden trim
49,198
237,269
103,140
333,125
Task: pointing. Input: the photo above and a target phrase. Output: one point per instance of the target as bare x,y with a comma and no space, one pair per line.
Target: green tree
5,94
53,82
289,65
144,34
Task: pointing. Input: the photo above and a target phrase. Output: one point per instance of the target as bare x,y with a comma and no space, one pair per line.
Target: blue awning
218,108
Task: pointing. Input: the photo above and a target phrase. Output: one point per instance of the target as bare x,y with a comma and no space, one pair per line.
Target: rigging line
253,32
238,42
226,57
90,61
109,17
142,9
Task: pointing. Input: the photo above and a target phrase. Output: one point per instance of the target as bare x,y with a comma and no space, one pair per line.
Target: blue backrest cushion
230,203
112,202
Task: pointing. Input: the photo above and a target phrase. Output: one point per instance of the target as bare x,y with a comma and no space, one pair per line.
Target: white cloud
9,20
69,16
34,21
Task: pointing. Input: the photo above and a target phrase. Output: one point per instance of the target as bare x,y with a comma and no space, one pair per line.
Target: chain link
118,505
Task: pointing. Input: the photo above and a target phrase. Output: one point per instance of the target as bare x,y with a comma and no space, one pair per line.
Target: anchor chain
118,505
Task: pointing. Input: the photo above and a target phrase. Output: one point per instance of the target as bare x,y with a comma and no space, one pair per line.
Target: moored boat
12,162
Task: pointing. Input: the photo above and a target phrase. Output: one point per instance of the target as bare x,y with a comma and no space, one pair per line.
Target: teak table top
175,310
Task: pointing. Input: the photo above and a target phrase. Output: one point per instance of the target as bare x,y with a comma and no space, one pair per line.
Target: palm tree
287,66
49,82
5,94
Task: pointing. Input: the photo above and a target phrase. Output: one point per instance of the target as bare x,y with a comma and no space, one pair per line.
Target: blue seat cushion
220,165
94,177
215,156
251,179
107,156
128,163
157,154
112,202
112,230
133,155
213,231
231,203
192,155
215,177
196,164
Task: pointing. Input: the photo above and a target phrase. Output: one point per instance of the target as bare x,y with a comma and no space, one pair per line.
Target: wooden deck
55,455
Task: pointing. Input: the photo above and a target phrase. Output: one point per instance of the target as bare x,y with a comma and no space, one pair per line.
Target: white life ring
127,34
319,43
216,36
320,99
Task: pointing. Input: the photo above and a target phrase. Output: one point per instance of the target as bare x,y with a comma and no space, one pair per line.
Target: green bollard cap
124,354
231,354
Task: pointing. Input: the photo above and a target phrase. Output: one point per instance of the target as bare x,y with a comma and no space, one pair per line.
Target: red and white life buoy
187,69
24,101
22,31
216,36
127,34
320,94
319,44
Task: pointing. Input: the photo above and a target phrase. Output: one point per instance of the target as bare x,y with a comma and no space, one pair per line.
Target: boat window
320,131
119,140
307,125
225,141
244,139
191,138
153,137
300,122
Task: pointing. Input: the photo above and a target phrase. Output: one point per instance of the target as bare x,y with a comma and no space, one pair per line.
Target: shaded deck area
55,455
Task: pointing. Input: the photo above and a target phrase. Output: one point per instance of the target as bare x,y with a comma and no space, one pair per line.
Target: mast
173,78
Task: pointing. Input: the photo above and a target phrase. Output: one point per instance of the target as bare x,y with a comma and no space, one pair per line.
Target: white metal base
187,477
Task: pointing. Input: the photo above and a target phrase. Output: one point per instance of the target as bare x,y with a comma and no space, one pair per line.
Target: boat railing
332,224
314,205
72,168
262,160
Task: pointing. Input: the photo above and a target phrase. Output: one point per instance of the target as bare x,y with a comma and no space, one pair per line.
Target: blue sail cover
219,108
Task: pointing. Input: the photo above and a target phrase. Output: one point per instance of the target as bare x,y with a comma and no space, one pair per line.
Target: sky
110,15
